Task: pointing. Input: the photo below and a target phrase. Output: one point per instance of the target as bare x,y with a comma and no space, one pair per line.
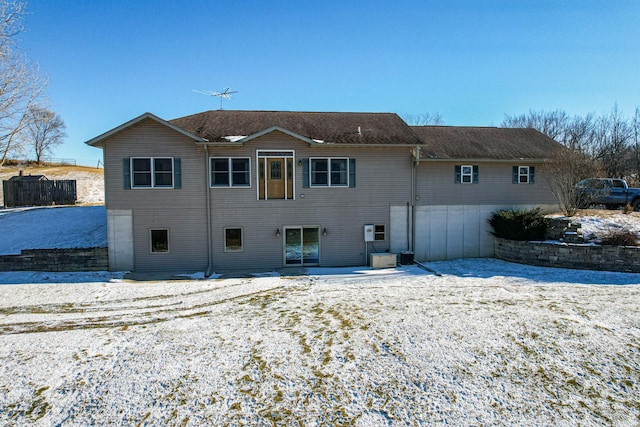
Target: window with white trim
466,174
379,232
524,174
230,171
329,172
152,172
159,240
233,239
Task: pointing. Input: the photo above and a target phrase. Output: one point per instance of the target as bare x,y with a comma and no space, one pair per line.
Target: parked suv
613,193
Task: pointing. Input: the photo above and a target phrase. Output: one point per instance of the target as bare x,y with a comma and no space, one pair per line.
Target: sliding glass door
301,246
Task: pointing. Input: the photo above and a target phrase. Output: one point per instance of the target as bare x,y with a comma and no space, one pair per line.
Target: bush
519,224
621,237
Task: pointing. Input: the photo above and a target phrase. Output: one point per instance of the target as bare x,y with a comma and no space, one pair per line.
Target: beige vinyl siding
436,185
187,240
382,177
181,211
150,139
342,246
382,174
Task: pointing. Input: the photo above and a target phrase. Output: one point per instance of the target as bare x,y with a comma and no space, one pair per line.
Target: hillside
89,181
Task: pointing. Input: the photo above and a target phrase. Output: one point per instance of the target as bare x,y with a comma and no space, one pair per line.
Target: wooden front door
275,178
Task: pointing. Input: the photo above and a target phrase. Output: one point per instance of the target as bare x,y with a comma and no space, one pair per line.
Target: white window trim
377,233
229,161
241,239
328,159
462,174
527,175
151,251
153,174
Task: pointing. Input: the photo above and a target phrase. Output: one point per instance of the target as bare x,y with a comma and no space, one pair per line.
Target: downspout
414,194
209,271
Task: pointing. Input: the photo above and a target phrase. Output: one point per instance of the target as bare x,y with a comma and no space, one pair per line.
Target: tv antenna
226,94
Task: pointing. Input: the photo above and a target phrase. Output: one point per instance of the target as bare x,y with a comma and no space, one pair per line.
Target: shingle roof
338,128
460,142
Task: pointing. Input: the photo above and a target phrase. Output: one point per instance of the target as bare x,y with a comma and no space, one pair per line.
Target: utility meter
368,233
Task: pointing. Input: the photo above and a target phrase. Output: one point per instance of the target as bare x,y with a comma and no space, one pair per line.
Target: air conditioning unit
382,260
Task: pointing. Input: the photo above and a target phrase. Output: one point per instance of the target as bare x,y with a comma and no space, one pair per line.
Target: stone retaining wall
584,257
88,259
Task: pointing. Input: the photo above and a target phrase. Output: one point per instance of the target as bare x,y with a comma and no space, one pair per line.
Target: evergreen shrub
519,224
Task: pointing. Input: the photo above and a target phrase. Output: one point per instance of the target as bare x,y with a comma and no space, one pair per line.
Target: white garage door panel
448,232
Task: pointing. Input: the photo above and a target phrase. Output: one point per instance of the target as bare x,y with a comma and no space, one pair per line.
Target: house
235,190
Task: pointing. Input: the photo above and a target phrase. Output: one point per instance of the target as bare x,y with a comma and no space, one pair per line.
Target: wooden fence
39,193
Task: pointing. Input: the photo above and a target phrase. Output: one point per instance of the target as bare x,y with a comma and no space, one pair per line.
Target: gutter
209,271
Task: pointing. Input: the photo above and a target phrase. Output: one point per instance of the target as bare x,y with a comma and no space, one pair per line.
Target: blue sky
471,61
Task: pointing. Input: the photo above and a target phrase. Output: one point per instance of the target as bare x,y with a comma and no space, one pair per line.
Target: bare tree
634,177
578,134
563,172
551,123
612,135
44,130
434,119
20,83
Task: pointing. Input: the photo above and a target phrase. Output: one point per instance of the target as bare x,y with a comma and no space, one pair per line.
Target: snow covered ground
52,227
486,343
599,223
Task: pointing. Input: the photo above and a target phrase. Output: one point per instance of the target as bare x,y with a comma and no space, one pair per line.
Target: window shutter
126,173
458,170
352,173
515,175
532,174
177,173
305,173
475,174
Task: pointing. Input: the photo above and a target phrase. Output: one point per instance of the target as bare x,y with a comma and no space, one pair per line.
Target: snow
486,343
598,223
52,227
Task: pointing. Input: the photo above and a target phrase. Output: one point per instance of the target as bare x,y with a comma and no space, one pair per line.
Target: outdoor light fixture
324,232
277,232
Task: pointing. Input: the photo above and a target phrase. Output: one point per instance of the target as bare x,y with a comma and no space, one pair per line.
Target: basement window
159,241
233,239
